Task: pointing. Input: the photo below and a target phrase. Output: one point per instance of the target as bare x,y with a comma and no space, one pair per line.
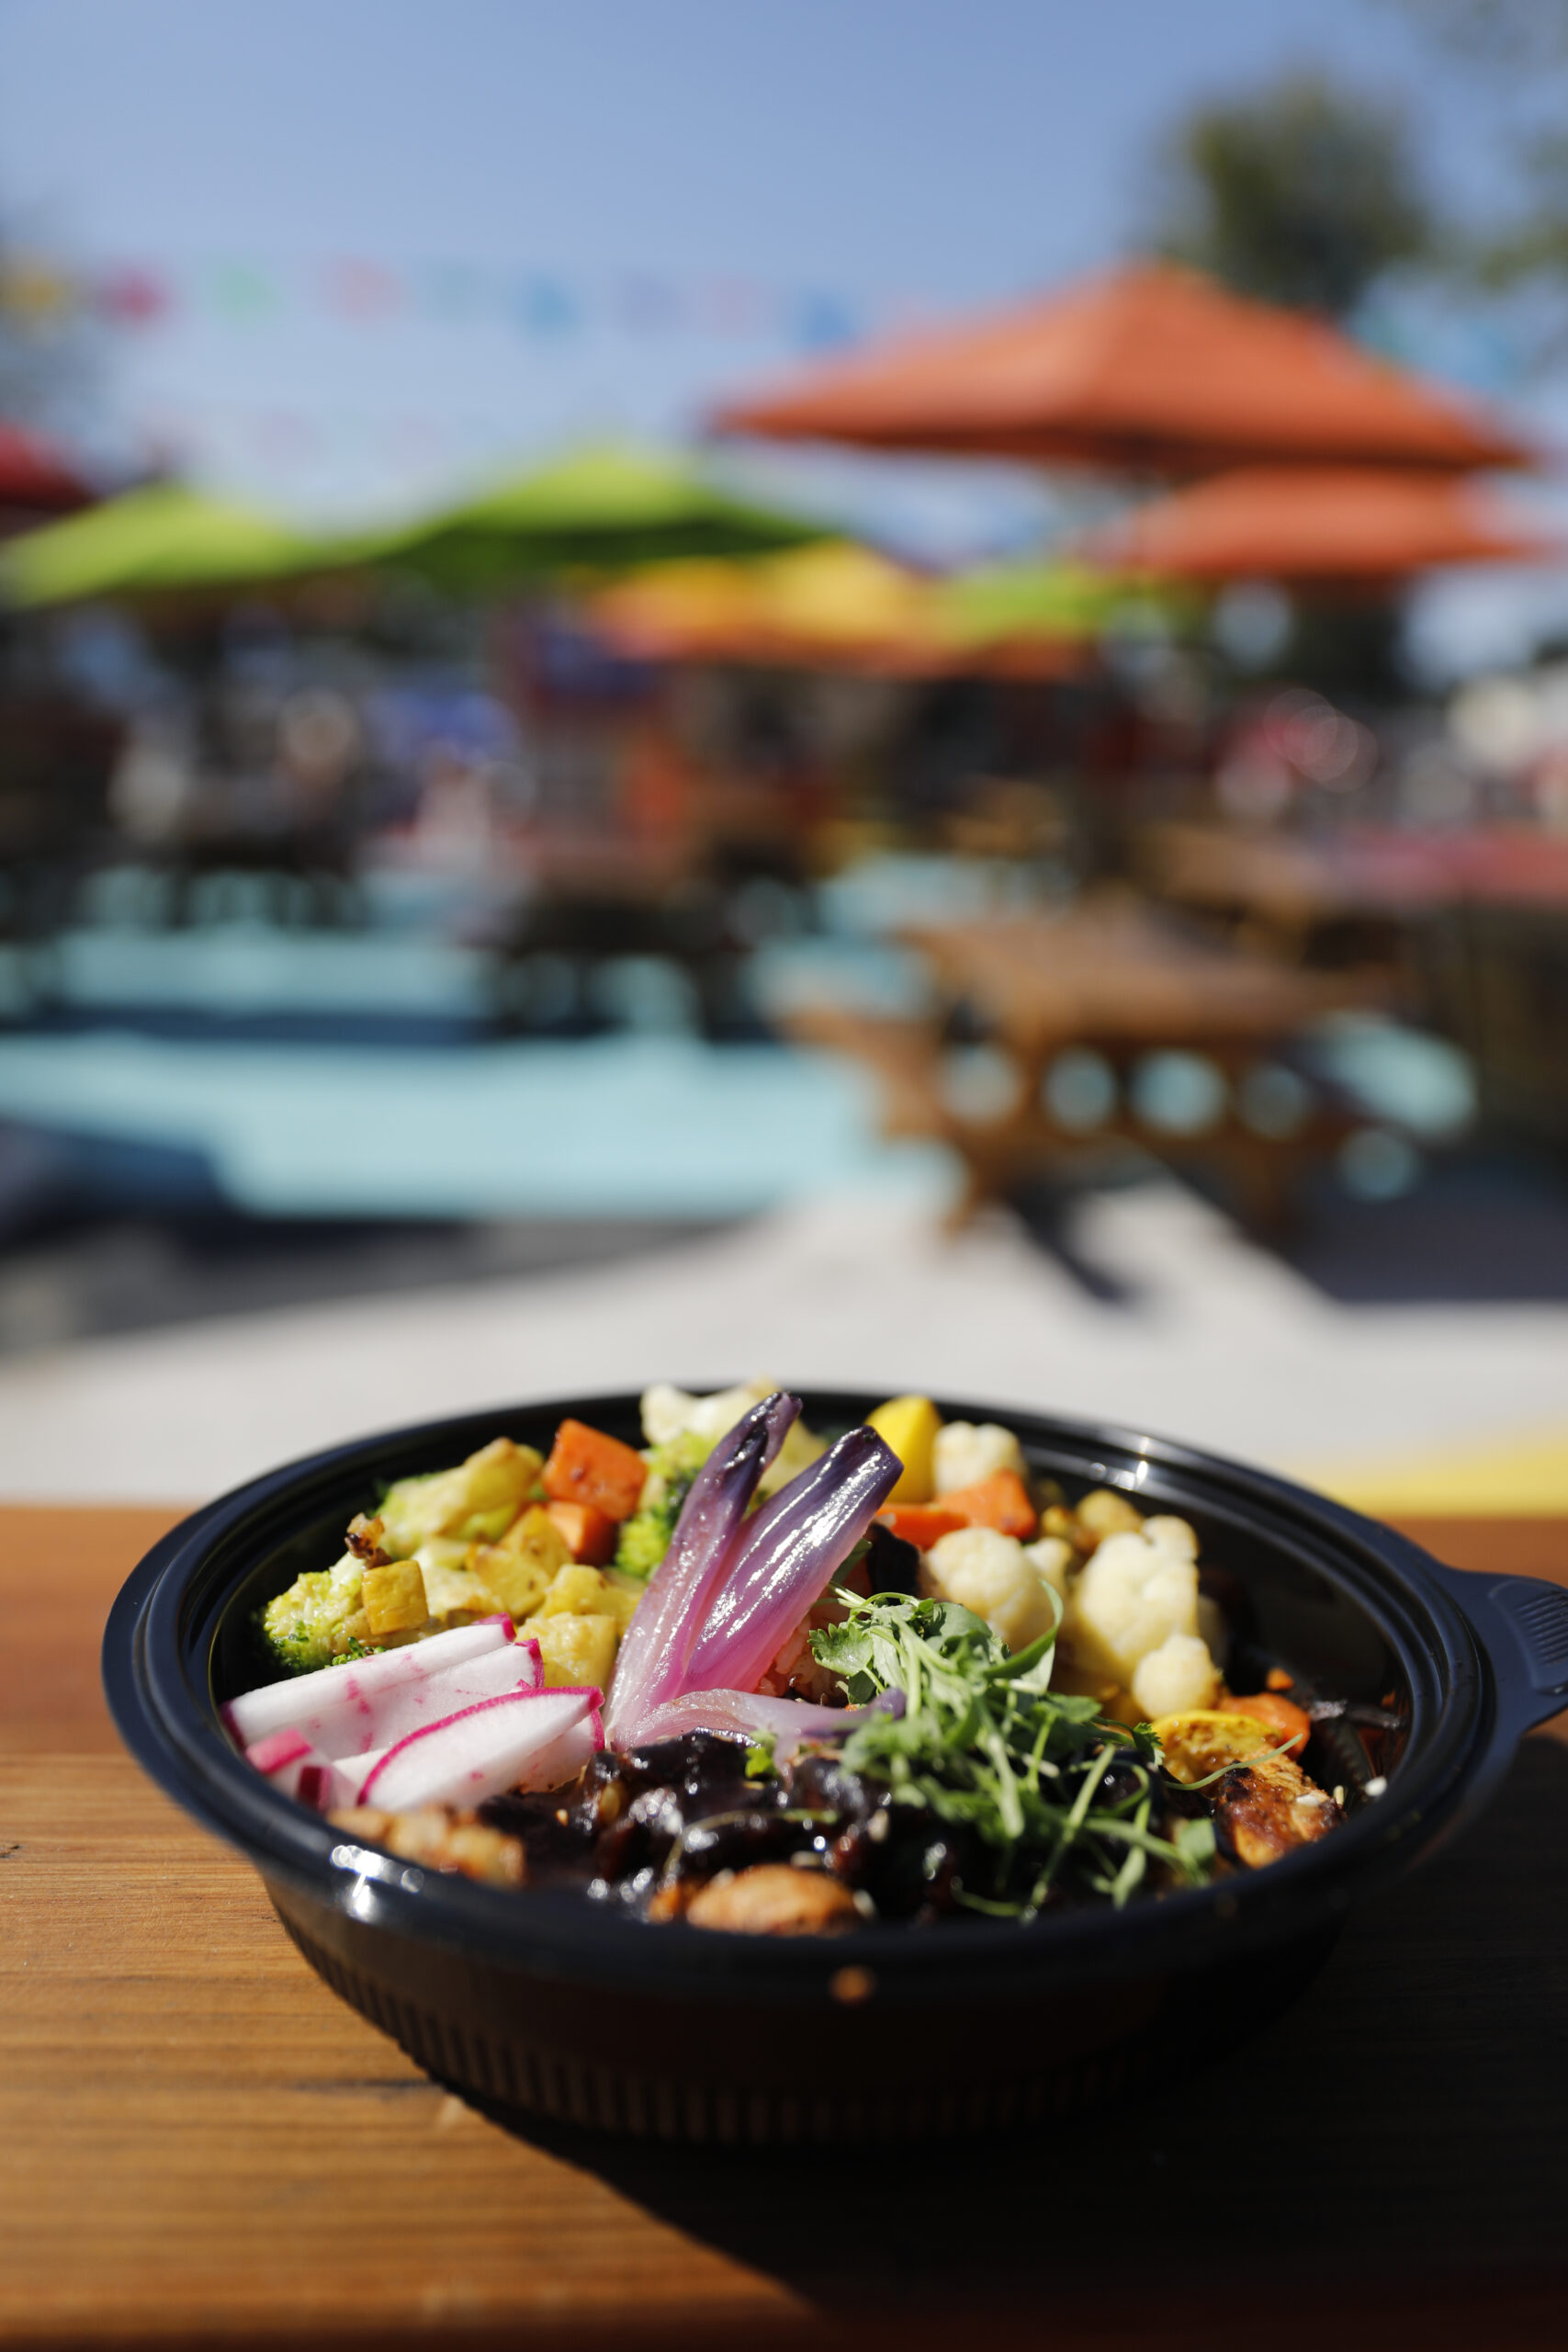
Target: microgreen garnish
1057,1796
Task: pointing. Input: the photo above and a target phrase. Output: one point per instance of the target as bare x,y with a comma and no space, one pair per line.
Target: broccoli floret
356,1648
313,1622
645,1537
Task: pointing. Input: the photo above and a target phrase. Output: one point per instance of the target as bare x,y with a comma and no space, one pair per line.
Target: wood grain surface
200,2145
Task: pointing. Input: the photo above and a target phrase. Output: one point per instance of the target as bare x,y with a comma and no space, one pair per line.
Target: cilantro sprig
1058,1797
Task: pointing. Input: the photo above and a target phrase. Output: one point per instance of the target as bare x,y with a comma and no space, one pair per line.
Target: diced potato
991,1573
1105,1513
1178,1675
575,1592
622,1594
521,1569
478,1501
394,1598
967,1452
1129,1598
908,1425
450,1589
576,1649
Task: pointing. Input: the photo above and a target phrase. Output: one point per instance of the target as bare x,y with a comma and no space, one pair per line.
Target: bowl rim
161,1635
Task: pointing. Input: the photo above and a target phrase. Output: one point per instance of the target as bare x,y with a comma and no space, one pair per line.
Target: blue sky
597,216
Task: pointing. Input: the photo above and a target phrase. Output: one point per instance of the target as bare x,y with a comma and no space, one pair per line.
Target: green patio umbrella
1044,597
597,510
164,536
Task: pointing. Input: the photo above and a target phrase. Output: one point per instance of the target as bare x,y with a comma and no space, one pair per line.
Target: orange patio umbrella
1329,524
1153,368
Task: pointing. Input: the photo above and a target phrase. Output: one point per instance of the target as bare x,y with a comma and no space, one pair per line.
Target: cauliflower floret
1105,1513
1131,1597
967,1452
1212,1626
669,1413
1171,1535
991,1573
1177,1677
1051,1558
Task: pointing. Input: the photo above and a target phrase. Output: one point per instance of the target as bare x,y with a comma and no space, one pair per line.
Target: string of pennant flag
541,304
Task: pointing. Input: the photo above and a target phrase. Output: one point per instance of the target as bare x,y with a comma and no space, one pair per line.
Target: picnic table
199,2146
1113,977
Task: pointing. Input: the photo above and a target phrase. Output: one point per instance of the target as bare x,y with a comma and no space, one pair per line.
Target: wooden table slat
199,2144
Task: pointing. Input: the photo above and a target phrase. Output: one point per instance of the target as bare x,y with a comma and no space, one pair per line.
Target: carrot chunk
921,1524
586,1466
589,1531
1281,1718
1001,1501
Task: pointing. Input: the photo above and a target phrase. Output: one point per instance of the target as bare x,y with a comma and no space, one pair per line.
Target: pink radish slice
477,1753
565,1757
749,1715
296,1769
352,1692
393,1715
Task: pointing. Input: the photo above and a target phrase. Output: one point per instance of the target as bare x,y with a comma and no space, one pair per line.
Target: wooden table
200,2145
1115,978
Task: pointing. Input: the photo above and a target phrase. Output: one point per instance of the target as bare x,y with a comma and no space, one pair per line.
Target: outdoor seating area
784,1176
1105,1027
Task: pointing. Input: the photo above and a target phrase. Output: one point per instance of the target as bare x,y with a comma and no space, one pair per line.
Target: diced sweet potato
586,1466
1000,1502
590,1532
921,1524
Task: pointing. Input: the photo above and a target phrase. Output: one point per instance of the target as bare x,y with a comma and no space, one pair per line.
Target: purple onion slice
786,1722
651,1667
788,1556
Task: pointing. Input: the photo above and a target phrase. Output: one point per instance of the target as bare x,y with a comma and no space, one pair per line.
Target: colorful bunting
547,305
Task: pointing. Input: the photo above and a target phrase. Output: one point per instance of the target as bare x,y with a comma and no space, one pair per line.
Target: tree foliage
1303,195
1522,47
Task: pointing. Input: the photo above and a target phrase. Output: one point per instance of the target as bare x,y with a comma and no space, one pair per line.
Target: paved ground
1173,1321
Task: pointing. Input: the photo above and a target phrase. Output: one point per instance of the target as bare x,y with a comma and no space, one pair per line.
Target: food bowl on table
538,2001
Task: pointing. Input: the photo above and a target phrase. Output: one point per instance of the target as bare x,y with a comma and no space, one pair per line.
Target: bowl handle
1522,1624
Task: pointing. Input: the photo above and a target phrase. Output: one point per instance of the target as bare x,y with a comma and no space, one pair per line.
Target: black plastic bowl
547,2003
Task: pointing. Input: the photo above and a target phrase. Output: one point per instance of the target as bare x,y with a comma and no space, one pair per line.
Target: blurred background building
879,699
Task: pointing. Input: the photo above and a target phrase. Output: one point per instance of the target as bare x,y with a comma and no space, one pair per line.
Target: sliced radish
499,1744
339,1731
287,1759
338,1704
565,1757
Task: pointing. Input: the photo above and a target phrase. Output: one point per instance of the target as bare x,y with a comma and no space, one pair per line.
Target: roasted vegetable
319,1618
474,1503
909,1425
1267,1809
586,1466
645,1537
